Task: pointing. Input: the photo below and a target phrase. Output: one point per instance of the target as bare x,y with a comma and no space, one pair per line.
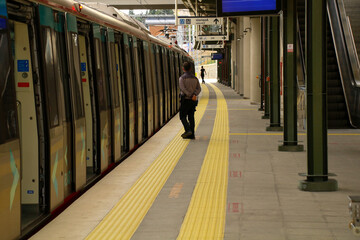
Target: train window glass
8,120
104,60
64,83
114,69
99,76
50,80
129,74
77,88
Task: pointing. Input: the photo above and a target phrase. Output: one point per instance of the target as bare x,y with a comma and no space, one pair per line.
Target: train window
63,66
104,60
50,82
100,76
8,121
113,69
129,78
76,84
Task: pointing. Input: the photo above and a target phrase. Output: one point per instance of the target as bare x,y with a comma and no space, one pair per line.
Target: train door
149,89
159,81
144,79
103,97
78,109
65,104
115,100
177,76
89,94
124,109
30,194
85,66
137,89
172,80
129,83
164,83
167,84
155,87
10,200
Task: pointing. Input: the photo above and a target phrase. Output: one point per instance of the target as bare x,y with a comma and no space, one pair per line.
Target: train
80,89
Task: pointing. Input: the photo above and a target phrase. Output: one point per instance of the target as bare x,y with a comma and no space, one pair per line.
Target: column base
322,186
291,148
274,129
266,117
261,109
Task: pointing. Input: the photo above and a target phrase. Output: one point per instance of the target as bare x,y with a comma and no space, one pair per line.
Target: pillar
255,60
317,152
275,124
290,85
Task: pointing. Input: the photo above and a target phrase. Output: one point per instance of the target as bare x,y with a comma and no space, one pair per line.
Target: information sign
200,21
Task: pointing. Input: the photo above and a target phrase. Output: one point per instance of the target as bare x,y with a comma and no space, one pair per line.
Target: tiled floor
263,200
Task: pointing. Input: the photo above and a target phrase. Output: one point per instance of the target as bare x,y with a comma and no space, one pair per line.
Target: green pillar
317,175
275,124
267,70
290,85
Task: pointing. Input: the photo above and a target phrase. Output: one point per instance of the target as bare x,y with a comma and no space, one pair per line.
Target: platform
172,188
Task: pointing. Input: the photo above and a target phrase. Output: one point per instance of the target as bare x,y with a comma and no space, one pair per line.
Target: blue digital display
247,7
217,56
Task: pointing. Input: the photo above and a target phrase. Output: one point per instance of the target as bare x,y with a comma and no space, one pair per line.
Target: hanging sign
200,21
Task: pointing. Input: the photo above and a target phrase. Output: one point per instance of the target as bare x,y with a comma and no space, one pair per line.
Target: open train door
9,141
78,114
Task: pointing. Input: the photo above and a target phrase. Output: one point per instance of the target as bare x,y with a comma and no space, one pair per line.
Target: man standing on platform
203,72
189,90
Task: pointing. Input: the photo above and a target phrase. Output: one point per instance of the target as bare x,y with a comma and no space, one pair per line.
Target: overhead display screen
247,7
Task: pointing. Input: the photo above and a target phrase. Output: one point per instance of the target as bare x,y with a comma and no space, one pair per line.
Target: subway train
80,89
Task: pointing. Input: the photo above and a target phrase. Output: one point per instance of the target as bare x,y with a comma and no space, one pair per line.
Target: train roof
109,17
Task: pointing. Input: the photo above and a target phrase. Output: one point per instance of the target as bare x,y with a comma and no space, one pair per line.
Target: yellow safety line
238,109
205,218
280,134
123,220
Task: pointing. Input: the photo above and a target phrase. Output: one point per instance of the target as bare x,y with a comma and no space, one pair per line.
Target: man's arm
198,88
183,88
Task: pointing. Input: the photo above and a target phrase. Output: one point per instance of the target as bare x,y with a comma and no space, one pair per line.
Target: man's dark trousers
187,111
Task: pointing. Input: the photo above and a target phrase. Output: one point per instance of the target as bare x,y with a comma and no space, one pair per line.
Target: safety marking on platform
235,174
125,217
235,207
235,155
175,191
280,134
205,217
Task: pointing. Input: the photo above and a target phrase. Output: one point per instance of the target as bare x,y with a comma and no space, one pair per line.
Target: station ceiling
140,4
205,7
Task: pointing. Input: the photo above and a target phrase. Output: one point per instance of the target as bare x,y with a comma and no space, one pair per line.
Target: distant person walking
189,90
203,72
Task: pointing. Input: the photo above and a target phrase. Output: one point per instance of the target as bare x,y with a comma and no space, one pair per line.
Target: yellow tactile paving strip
205,218
280,134
123,220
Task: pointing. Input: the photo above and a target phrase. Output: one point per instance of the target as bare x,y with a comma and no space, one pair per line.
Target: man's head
186,66
202,67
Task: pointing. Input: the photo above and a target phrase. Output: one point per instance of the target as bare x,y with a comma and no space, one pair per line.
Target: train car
80,89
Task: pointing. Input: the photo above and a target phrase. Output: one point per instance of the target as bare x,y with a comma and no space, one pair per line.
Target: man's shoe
186,134
192,136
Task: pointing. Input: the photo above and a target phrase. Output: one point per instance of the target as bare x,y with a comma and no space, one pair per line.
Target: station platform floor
231,183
